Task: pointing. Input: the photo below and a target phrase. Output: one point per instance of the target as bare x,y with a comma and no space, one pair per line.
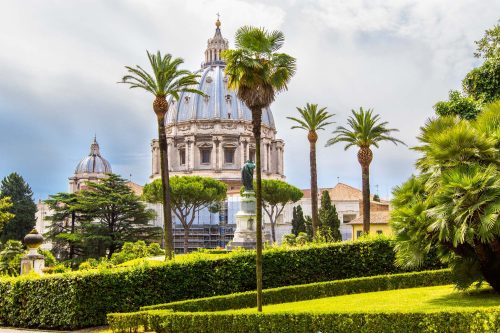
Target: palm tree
166,81
258,72
365,131
312,120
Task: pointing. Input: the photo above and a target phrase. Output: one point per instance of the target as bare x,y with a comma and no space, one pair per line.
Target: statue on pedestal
247,175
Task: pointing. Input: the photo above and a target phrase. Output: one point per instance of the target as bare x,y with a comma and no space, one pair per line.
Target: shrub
139,249
164,321
83,298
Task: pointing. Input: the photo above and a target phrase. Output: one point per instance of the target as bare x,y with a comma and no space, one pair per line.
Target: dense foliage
189,195
136,250
82,299
5,215
481,85
329,219
23,208
454,204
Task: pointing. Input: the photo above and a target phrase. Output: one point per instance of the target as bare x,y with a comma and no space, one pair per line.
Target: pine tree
329,219
23,207
112,215
298,221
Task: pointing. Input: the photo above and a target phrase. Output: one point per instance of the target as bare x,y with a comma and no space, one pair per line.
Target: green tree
452,207
64,231
112,215
312,120
329,219
365,130
5,216
257,71
23,207
11,250
298,221
165,81
458,104
488,47
189,194
275,195
481,85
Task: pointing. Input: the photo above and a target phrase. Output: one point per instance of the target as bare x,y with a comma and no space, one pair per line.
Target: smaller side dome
94,162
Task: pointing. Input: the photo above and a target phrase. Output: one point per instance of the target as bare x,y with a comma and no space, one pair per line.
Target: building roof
342,192
136,188
377,217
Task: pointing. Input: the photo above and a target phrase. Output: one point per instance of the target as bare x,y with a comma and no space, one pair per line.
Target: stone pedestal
32,262
245,235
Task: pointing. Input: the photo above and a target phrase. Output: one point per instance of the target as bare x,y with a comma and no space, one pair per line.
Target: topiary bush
83,298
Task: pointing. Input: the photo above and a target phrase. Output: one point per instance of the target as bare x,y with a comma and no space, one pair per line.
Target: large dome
94,162
219,102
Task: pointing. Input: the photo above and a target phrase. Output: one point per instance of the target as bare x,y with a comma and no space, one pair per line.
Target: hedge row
82,299
310,291
165,321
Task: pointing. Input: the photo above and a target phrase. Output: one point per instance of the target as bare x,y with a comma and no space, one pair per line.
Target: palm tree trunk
365,178
165,180
314,182
186,239
257,119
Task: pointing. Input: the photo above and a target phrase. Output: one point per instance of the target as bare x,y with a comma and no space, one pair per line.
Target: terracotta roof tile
381,217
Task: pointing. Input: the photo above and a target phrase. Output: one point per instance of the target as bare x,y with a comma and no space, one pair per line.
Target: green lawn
427,299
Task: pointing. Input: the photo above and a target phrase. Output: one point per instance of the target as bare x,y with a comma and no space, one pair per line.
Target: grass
426,299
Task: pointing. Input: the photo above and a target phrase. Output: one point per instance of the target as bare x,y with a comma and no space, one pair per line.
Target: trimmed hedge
165,321
82,299
310,291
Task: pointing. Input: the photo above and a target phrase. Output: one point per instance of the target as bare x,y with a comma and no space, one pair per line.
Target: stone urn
33,261
33,240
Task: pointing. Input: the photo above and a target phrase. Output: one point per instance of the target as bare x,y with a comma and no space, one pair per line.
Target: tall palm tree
165,80
312,120
365,130
258,72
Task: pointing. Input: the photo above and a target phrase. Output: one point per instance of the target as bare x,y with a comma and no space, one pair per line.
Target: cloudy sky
60,61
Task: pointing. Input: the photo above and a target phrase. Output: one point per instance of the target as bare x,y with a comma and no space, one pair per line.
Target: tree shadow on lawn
483,297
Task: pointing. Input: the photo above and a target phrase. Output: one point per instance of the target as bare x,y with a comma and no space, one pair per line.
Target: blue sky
60,61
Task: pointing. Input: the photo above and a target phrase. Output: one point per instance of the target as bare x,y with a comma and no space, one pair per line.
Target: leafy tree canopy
275,195
189,195
481,85
23,207
453,205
